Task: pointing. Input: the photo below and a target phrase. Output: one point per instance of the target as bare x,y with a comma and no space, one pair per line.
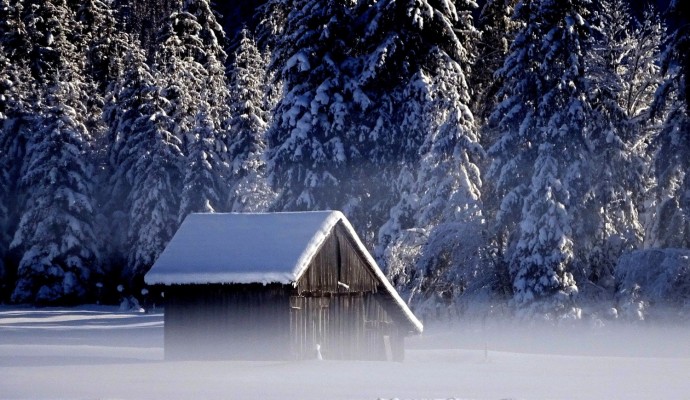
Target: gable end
338,267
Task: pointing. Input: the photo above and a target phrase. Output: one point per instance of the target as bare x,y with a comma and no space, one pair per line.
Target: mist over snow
99,352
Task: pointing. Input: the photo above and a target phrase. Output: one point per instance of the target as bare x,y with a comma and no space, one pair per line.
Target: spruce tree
15,96
312,138
55,241
179,70
103,41
12,31
211,33
55,237
408,50
497,29
402,41
104,44
202,189
416,59
540,165
14,109
446,191
622,76
670,222
50,28
156,175
144,20
190,68
146,161
248,85
124,104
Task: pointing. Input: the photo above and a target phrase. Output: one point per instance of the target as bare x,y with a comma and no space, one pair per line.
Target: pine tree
12,32
190,66
144,19
250,190
202,189
50,28
670,225
311,139
446,192
211,33
540,166
104,43
212,57
179,71
408,50
434,132
54,241
14,79
497,32
622,76
146,161
449,187
102,40
156,176
59,258
402,41
124,104
15,93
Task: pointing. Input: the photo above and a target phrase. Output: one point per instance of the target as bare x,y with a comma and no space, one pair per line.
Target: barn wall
227,322
347,321
352,326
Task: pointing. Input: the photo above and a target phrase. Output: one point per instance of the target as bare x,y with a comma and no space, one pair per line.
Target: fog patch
103,353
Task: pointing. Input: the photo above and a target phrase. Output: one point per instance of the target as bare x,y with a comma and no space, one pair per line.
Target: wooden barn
277,286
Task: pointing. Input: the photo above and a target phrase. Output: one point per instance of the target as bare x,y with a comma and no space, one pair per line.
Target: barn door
321,325
298,329
309,326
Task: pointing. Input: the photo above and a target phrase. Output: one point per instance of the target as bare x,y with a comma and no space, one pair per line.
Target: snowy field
97,352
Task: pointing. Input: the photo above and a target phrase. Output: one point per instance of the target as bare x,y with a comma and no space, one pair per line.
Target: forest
523,155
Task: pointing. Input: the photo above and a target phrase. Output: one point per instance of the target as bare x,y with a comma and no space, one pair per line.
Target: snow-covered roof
253,248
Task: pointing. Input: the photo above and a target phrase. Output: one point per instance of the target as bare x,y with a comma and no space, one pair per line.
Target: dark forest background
525,155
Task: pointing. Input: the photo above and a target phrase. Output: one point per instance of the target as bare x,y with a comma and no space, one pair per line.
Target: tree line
511,153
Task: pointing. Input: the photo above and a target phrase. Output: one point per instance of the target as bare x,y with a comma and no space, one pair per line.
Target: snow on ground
98,352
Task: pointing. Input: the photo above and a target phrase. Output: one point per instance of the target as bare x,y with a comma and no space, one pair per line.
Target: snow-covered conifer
402,42
156,176
212,56
144,19
312,139
50,27
408,49
622,75
146,160
540,167
12,32
248,85
446,188
55,241
436,135
497,32
55,237
201,188
102,40
14,80
670,222
179,70
124,103
211,32
103,43
190,69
